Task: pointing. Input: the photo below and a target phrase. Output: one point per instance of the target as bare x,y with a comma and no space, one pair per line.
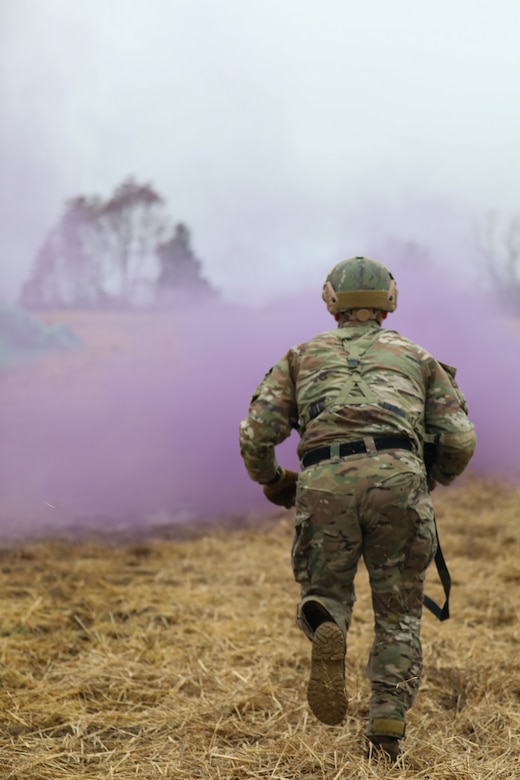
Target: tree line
125,251
119,251
498,242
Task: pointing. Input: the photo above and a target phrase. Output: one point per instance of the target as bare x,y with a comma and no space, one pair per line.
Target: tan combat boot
383,749
326,689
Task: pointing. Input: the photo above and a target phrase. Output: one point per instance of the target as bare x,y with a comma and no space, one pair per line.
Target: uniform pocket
422,543
301,550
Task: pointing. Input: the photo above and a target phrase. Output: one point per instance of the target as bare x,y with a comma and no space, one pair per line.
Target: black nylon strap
442,613
355,448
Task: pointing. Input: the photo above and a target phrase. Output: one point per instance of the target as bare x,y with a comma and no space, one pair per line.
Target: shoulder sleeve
271,417
447,424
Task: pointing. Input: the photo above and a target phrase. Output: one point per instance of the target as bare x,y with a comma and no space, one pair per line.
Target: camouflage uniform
358,383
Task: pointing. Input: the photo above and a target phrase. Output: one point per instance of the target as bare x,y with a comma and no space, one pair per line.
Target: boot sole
326,690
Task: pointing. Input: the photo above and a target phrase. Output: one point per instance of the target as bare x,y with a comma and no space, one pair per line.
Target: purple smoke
468,331
152,434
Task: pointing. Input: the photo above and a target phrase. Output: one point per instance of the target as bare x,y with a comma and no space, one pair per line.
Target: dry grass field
173,653
176,656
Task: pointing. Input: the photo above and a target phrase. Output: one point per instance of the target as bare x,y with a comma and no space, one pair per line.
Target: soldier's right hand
283,491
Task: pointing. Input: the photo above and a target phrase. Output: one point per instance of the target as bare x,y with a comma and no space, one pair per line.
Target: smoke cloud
146,430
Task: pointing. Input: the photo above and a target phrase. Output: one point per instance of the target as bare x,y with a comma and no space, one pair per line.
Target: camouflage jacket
356,381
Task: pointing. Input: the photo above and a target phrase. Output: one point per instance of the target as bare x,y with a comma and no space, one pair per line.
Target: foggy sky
287,133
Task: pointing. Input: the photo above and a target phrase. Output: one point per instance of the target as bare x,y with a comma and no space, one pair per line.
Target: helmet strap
363,315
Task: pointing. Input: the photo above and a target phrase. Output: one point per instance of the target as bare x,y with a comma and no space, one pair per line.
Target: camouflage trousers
377,507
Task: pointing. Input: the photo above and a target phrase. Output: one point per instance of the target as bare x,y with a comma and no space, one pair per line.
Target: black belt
355,448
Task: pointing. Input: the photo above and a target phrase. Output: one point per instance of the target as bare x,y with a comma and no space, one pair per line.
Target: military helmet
360,283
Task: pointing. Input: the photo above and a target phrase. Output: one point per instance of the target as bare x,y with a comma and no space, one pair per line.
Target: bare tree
70,267
133,224
499,246
37,289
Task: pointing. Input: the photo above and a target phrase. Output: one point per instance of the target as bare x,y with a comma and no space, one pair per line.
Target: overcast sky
288,134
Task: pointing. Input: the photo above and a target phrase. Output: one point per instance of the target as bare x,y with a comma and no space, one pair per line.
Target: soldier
364,399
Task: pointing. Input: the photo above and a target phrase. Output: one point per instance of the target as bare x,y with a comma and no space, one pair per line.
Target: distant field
103,392
171,652
107,336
